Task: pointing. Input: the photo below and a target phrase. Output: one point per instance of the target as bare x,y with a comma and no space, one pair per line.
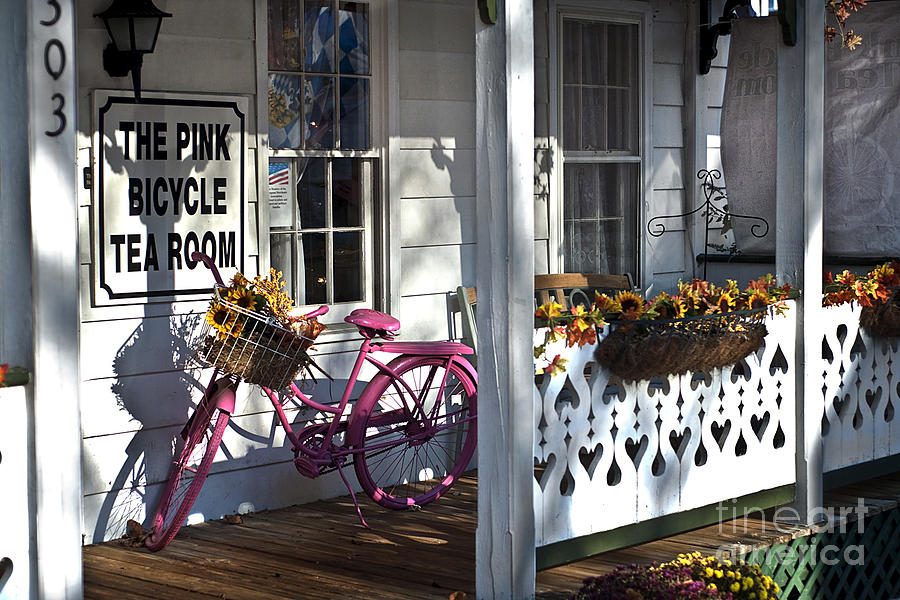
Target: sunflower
679,307
726,302
632,305
242,297
758,299
217,316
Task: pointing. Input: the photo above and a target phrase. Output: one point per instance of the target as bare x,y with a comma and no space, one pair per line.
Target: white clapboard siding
613,456
435,161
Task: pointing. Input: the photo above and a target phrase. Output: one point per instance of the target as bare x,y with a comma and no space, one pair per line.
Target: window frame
609,11
374,213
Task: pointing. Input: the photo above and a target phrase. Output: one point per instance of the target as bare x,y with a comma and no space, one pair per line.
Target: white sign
169,180
281,210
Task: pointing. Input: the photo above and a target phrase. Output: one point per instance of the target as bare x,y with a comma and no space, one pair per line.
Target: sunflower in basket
223,320
242,297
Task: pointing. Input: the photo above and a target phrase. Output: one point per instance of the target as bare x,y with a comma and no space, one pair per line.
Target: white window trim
379,245
622,11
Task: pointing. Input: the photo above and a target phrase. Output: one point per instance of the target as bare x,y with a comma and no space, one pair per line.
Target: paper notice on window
280,205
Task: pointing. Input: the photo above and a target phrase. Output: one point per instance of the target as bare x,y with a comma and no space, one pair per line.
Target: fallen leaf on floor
135,534
233,519
458,596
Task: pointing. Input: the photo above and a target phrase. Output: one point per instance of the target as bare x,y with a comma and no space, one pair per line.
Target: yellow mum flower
549,310
735,587
719,573
709,572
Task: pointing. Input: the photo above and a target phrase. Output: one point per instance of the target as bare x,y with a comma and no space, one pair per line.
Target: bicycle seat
372,319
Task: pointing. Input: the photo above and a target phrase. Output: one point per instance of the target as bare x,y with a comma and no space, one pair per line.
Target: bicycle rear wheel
410,451
202,437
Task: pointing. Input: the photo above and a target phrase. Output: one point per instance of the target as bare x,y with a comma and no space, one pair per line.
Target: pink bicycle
411,433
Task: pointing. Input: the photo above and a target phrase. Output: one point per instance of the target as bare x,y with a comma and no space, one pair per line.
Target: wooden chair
567,289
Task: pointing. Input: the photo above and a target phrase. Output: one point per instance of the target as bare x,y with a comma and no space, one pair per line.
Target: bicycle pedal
306,467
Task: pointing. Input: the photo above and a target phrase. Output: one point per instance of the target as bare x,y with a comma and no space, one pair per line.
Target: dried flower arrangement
702,326
249,332
878,292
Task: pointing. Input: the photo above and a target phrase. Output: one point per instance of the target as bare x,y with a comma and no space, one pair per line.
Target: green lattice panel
800,571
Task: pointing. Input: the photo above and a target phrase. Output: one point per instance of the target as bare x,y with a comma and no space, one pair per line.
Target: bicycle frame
327,453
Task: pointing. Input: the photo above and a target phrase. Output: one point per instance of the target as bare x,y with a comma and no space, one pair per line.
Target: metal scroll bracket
717,216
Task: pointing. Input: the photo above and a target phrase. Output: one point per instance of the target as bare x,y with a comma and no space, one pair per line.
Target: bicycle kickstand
340,471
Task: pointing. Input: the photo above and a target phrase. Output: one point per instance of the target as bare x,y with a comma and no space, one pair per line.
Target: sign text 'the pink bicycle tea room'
169,181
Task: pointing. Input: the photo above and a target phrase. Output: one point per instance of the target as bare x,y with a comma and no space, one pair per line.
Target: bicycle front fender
219,395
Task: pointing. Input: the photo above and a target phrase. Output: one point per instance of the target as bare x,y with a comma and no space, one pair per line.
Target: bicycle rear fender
358,417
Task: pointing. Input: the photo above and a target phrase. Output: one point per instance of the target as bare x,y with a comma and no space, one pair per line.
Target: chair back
568,289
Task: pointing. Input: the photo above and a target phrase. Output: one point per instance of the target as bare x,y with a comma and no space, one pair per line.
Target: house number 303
55,65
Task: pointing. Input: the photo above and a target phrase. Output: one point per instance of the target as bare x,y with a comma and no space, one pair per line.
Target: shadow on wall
159,408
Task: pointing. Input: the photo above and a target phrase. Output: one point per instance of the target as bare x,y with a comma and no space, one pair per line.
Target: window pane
284,111
599,215
593,47
284,34
593,117
346,206
348,284
281,253
353,38
571,51
572,117
318,104
622,105
311,193
354,113
313,249
318,36
622,55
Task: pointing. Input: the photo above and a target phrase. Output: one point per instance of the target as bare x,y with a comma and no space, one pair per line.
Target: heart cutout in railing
679,442
873,398
590,459
636,450
720,432
759,425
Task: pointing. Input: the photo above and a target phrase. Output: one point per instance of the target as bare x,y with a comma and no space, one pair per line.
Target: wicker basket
884,320
254,347
636,350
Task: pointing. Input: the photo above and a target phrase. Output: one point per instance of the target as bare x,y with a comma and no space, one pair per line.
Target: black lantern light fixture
133,26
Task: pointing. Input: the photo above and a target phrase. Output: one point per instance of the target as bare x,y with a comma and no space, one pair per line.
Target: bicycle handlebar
319,311
200,257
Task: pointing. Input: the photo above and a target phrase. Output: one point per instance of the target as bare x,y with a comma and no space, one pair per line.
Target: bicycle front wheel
412,447
202,436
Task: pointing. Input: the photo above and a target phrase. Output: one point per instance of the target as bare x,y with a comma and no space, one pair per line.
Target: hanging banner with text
862,145
169,181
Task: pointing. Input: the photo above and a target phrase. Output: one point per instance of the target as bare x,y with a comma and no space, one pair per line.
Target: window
601,99
323,166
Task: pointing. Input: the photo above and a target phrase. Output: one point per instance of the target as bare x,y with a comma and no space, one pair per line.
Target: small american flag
278,174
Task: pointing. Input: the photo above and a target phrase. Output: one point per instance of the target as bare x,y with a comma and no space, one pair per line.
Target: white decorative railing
609,453
861,379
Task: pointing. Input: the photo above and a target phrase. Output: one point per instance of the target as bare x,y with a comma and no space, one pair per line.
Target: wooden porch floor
319,550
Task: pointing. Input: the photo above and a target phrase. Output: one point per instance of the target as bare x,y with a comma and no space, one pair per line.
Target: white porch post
54,267
504,88
799,238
